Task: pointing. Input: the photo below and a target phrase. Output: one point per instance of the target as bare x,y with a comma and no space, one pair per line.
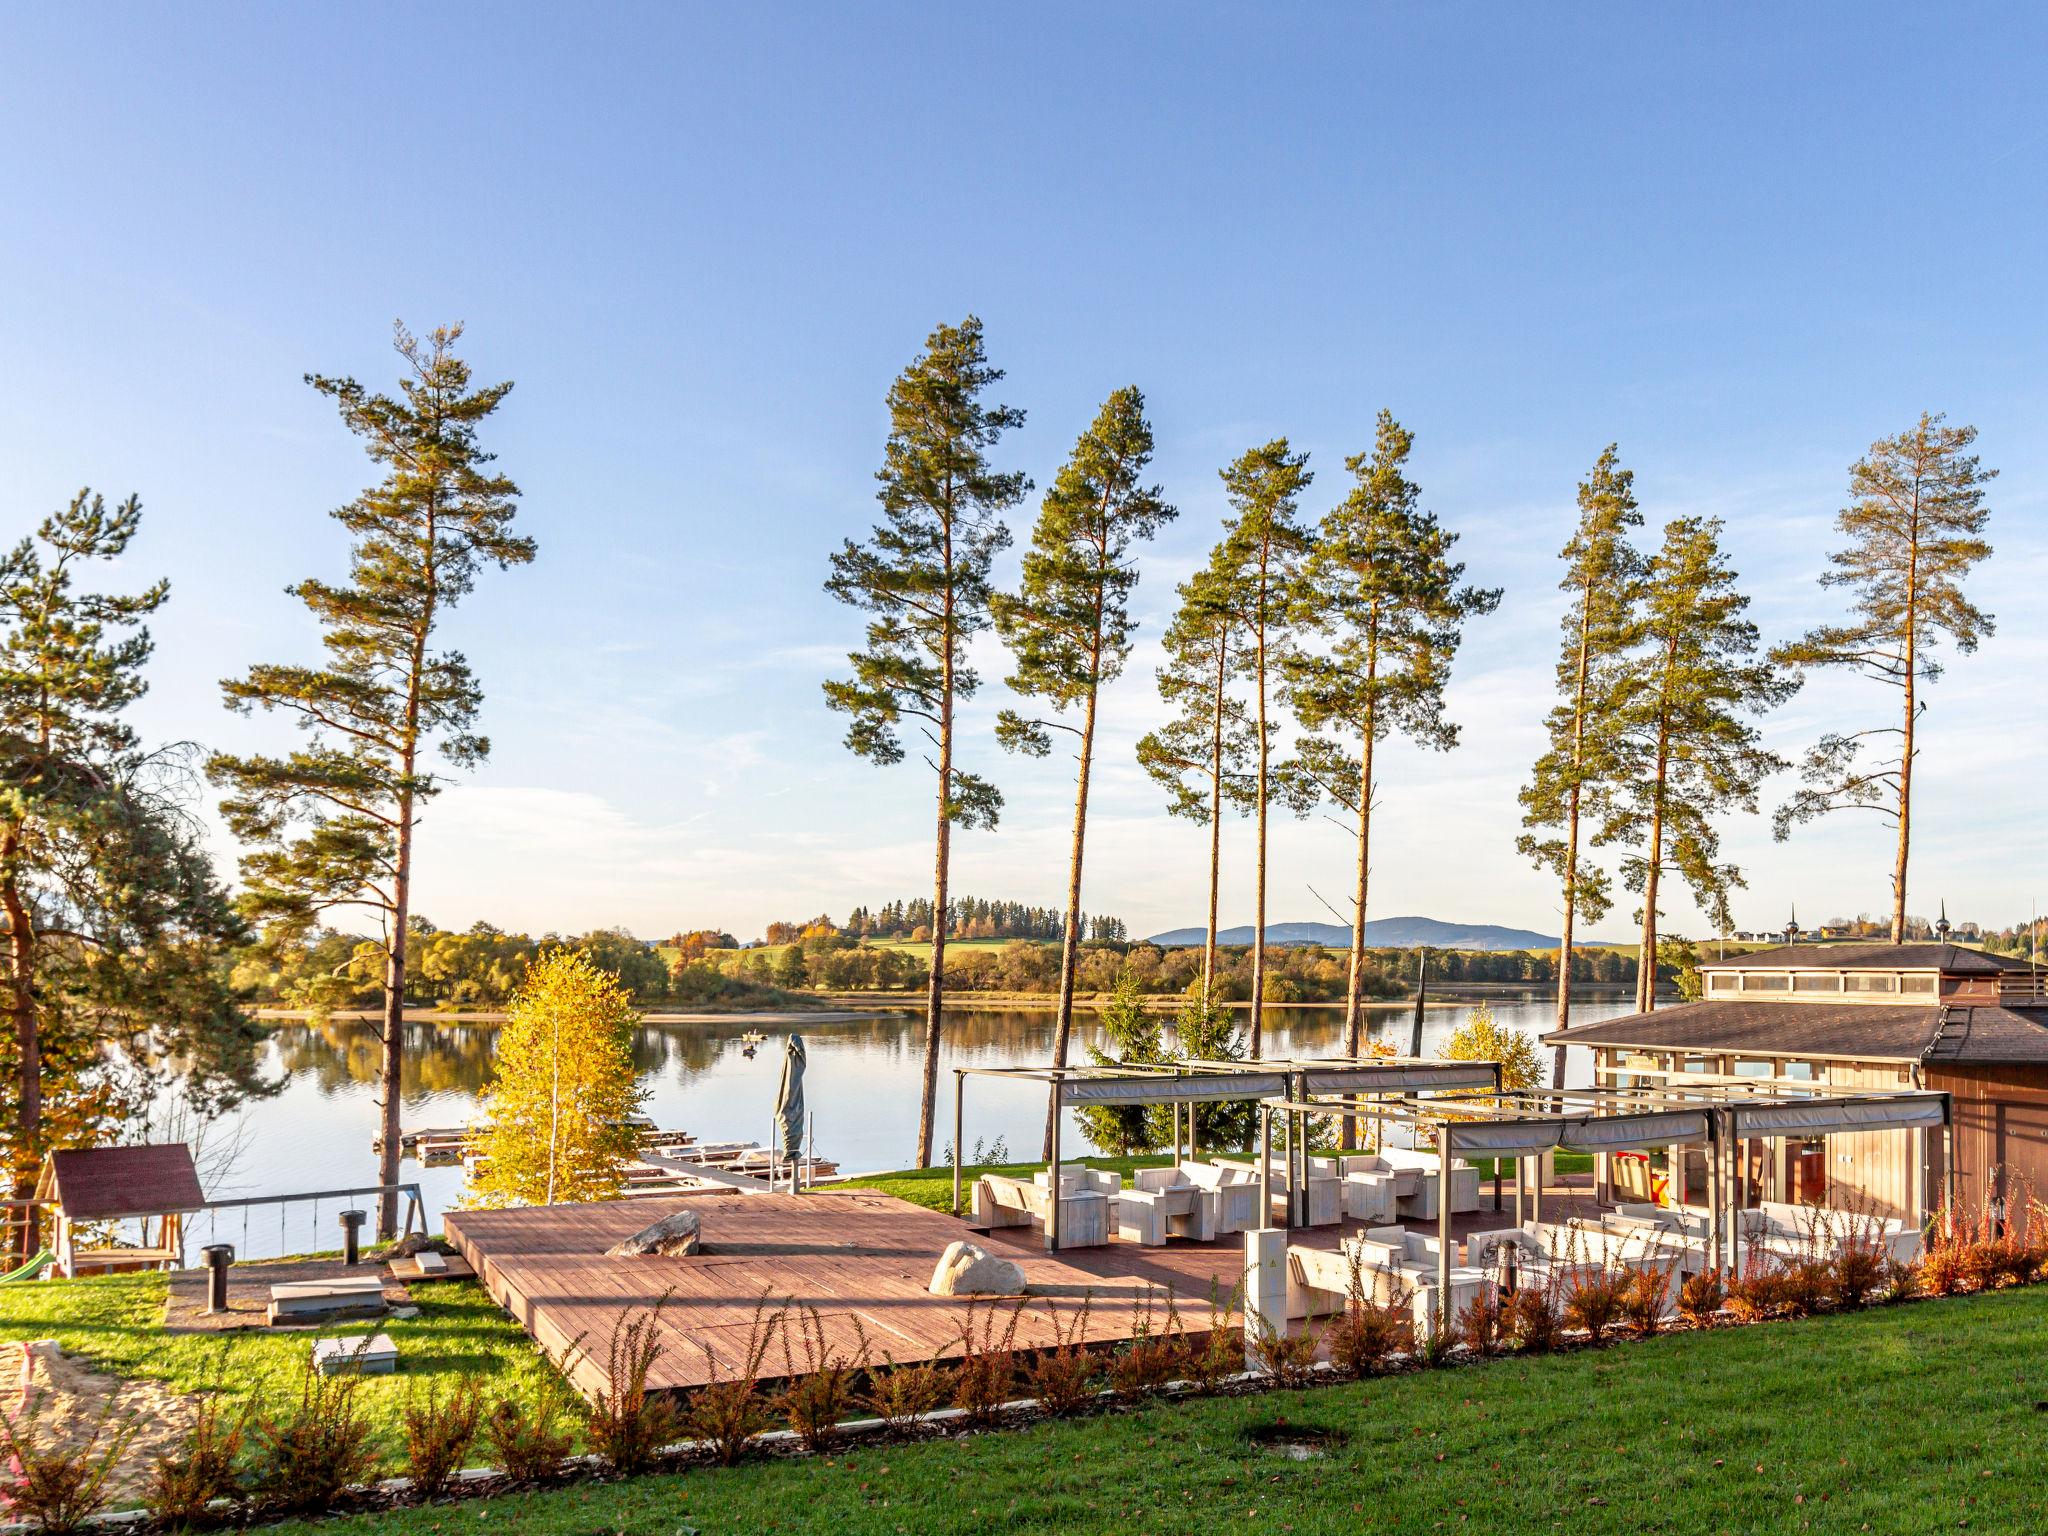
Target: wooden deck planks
861,1259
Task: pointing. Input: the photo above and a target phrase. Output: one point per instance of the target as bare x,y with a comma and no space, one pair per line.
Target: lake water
862,1088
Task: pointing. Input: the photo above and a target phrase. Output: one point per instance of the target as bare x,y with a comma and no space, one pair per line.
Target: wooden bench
310,1299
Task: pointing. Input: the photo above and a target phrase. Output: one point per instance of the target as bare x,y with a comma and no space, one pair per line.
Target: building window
1916,983
1817,981
1723,981
1754,981
1869,983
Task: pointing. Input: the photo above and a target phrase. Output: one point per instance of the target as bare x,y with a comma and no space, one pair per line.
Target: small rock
405,1312
671,1237
968,1269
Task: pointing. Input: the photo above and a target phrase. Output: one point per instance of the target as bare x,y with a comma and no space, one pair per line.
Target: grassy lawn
116,1323
933,1187
1915,1419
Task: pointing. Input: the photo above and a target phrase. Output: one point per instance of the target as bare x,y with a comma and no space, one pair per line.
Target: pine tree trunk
391,1068
1347,1134
1571,847
1911,652
1070,949
1646,963
1215,821
21,1012
935,996
1258,1042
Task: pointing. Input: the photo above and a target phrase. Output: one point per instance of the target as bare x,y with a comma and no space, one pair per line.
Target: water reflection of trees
337,1055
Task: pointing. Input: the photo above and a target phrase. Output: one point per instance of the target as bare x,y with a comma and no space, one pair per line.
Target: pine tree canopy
924,571
1380,587
112,919
1069,624
1915,529
1576,772
1208,722
325,822
1686,748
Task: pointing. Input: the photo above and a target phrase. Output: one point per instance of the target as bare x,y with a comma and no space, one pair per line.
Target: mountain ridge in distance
1380,933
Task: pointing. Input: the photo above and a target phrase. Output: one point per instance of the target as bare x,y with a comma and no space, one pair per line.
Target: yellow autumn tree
562,1094
1480,1038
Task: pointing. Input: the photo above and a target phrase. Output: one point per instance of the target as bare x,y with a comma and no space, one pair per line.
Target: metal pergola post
1052,1211
1443,1229
1265,1165
959,1089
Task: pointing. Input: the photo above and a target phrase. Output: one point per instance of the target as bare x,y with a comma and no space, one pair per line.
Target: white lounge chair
1418,1190
1001,1201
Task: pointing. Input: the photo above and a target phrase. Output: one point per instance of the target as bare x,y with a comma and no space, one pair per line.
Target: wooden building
1933,1015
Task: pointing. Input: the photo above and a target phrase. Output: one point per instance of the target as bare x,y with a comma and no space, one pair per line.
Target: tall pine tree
1202,756
1687,748
113,924
1266,545
924,575
1915,525
1069,624
1574,777
331,824
1381,588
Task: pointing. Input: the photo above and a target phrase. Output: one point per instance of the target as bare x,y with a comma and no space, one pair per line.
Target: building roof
1955,959
112,1183
1929,1032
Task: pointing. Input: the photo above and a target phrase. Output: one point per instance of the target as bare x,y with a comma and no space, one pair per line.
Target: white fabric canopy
1821,1116
1590,1133
1171,1090
1406,1077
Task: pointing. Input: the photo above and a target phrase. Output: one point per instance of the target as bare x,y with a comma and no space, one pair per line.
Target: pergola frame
1523,1123
1208,1081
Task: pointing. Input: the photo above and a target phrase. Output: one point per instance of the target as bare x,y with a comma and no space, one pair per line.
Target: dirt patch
70,1401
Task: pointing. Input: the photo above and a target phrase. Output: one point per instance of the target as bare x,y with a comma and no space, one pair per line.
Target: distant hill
1380,933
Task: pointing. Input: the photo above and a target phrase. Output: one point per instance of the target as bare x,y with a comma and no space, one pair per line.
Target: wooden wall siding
2001,1120
1873,1169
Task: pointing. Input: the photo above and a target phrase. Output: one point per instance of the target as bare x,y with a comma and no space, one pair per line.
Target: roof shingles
1982,1036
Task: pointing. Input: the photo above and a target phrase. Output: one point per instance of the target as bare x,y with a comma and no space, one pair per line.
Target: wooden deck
862,1259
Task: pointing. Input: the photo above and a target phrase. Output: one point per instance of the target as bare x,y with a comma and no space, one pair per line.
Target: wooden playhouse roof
113,1183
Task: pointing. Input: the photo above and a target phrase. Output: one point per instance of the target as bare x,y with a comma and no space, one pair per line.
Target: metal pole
1052,1216
1176,1133
959,1084
1443,1229
1265,1165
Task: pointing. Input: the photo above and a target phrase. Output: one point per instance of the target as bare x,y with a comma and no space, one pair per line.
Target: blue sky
1742,242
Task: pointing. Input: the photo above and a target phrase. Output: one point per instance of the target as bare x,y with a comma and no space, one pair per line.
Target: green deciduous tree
1381,588
1203,755
562,1090
1134,1038
1915,525
1266,545
331,824
1575,775
924,575
1069,623
114,926
1687,748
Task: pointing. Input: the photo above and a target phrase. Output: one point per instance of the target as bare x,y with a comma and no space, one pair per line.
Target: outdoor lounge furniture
1801,1231
1001,1201
1370,1190
1325,1189
1419,1168
1166,1203
1392,1265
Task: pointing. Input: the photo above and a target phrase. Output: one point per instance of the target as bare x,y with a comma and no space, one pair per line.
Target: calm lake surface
862,1089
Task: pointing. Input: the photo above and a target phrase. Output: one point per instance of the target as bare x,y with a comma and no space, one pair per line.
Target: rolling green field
1902,1421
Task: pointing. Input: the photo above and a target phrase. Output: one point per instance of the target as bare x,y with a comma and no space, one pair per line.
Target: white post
1443,1228
1265,1287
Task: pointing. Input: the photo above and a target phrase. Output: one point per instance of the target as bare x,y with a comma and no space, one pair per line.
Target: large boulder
672,1237
967,1269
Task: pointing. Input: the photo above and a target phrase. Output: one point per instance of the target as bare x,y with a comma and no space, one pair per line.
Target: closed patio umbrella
789,1105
